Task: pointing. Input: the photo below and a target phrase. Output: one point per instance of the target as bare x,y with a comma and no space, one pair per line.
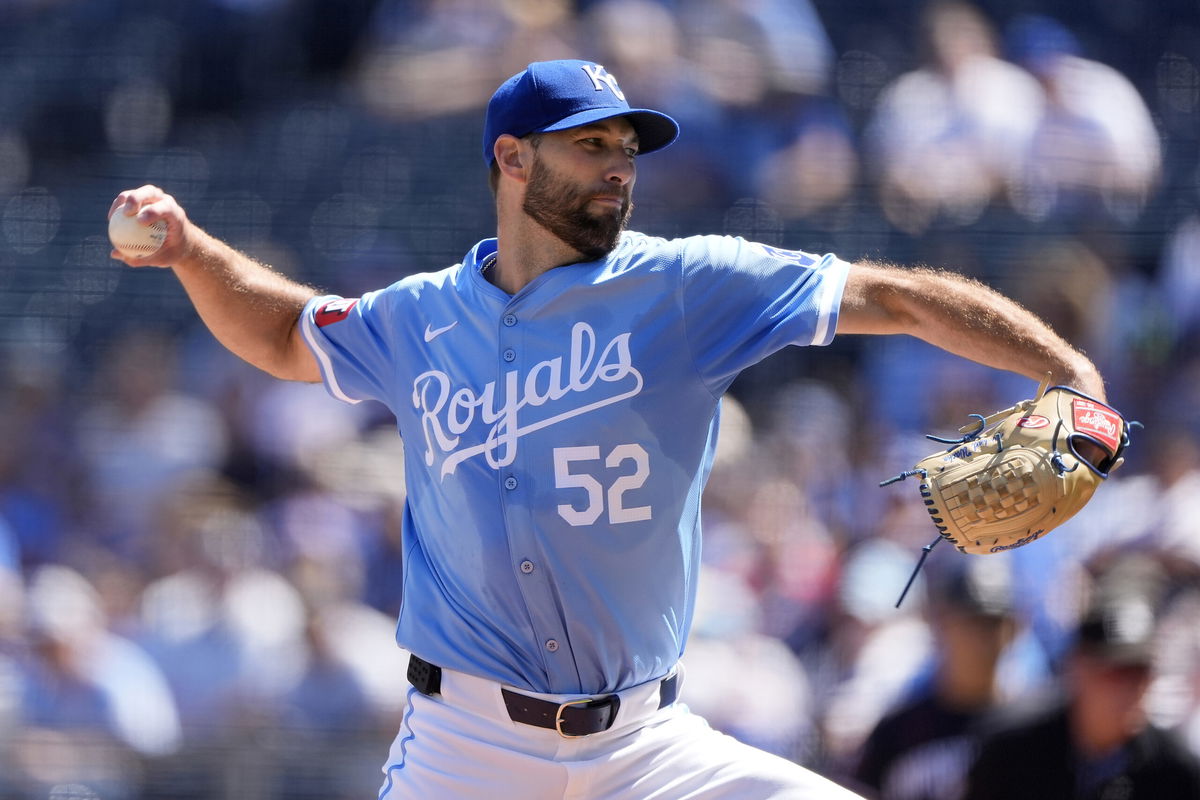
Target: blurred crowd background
199,566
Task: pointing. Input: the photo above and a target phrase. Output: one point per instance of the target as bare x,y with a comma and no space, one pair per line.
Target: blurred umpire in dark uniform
922,749
1097,742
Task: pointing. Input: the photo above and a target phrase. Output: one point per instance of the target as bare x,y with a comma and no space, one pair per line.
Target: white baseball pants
463,746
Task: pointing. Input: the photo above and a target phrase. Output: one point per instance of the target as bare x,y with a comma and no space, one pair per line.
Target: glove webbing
999,497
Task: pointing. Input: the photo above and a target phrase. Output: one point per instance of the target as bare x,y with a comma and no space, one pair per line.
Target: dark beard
556,205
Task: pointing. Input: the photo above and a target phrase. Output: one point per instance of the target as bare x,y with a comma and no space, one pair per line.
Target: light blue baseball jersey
557,442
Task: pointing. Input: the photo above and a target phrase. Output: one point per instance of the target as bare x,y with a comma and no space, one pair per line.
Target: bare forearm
966,318
251,309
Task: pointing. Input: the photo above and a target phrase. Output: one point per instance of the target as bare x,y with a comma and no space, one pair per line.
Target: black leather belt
573,718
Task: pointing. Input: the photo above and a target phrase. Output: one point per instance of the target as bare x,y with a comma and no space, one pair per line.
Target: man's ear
509,157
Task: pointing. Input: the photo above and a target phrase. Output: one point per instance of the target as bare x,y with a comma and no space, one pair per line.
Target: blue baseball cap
556,95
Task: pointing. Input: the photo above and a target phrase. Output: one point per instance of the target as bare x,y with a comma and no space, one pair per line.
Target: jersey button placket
534,587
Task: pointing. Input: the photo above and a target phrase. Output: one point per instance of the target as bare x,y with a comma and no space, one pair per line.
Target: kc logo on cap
557,95
601,78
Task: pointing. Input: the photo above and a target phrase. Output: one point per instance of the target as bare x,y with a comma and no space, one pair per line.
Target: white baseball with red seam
133,238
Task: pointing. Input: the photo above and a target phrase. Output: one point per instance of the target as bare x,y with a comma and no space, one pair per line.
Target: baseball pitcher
558,392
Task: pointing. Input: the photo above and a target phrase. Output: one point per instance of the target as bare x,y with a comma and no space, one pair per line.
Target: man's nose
621,169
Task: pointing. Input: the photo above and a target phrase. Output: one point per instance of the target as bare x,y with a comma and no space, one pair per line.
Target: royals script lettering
448,411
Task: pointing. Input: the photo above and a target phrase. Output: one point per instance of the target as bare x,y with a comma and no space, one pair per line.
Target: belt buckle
558,718
584,701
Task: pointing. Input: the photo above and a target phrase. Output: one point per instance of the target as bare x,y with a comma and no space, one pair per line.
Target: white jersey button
552,645
510,482
527,566
510,354
510,319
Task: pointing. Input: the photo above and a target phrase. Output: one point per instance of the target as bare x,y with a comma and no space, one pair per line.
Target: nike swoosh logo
432,333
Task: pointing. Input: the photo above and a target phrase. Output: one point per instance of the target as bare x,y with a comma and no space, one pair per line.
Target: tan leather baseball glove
1019,473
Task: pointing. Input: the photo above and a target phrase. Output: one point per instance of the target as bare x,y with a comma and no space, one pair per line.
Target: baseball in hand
132,238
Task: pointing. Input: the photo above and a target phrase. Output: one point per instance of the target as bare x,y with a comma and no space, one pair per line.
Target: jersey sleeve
743,301
352,341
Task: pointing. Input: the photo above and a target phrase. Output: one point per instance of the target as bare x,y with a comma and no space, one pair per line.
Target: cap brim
1132,656
655,130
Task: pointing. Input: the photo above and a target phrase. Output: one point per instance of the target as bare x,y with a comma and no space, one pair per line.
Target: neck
525,251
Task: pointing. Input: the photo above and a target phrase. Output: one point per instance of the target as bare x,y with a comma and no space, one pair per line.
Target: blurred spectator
139,436
1095,149
745,683
922,749
873,652
198,657
90,698
762,506
322,540
1097,742
445,56
816,170
947,136
62,692
763,70
206,534
795,49
328,697
126,693
793,569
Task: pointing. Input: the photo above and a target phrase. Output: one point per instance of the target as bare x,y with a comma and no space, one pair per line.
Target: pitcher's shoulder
635,245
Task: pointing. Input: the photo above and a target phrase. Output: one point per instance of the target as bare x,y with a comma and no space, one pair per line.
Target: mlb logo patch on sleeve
333,311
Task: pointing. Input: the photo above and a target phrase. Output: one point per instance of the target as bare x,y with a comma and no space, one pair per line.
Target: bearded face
561,206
